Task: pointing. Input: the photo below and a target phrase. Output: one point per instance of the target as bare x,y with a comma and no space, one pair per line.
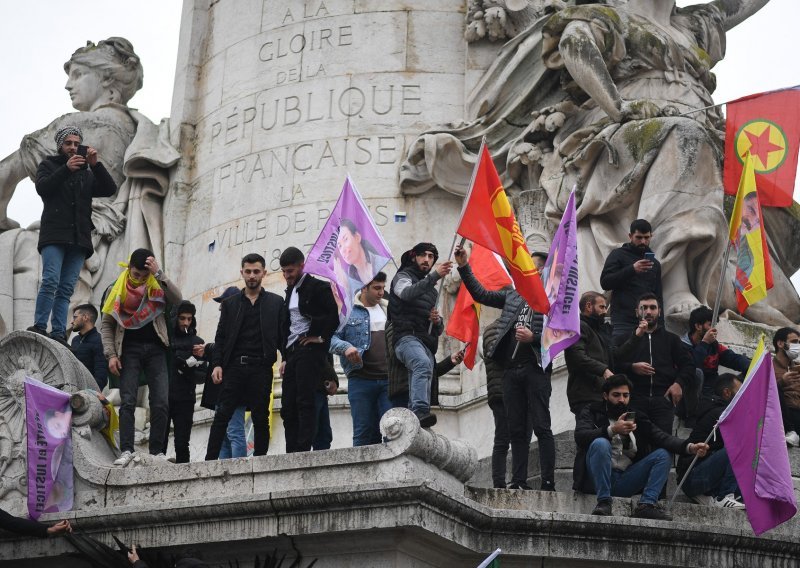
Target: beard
614,411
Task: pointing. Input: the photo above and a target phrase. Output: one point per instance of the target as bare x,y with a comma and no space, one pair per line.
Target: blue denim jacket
354,334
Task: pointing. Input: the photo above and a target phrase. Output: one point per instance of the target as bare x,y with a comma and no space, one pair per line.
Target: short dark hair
615,381
589,297
699,316
379,277
89,310
291,255
254,258
725,381
139,257
539,254
782,335
648,296
641,225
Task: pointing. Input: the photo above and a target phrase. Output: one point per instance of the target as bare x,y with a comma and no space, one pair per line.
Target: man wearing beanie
135,341
416,323
66,182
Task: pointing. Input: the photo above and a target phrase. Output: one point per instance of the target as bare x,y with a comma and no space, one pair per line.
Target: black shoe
650,511
548,486
427,420
39,330
62,339
523,486
603,508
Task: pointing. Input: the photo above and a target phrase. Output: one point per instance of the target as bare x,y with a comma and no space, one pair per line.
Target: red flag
464,321
488,220
768,126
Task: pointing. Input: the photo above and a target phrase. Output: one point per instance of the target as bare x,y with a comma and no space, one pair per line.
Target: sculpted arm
737,11
12,171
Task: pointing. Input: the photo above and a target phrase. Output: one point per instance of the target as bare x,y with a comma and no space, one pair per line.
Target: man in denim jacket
361,346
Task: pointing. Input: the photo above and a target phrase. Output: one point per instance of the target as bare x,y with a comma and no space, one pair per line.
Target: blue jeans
419,361
61,265
712,476
369,400
234,444
647,476
323,436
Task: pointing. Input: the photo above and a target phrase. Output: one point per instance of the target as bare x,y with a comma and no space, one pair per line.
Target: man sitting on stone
708,353
711,481
614,457
87,345
786,364
659,365
630,271
590,361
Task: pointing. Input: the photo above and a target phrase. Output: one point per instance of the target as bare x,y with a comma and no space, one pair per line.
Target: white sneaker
792,439
124,459
728,502
706,500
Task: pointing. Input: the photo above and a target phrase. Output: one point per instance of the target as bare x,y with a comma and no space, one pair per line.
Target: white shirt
377,318
298,323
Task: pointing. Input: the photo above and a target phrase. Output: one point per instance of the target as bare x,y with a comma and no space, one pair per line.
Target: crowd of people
627,379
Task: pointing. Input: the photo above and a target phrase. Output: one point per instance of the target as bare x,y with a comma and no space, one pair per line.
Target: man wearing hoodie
630,271
187,370
659,364
361,346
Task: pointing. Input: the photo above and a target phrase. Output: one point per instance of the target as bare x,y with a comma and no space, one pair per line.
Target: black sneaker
650,511
39,330
427,420
603,508
548,486
61,338
523,486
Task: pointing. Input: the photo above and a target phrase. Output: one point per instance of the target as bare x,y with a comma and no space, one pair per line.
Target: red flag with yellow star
487,219
768,126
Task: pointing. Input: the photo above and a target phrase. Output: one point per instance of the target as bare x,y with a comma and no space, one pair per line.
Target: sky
37,40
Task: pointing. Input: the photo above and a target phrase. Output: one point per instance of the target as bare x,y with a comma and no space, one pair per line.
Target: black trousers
301,378
181,416
526,396
658,409
242,384
501,442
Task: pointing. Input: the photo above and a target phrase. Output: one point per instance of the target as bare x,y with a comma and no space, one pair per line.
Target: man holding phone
629,272
67,183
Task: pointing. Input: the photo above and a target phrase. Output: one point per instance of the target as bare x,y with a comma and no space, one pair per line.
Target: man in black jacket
712,481
313,318
590,361
87,346
629,272
28,527
526,386
416,323
621,454
66,182
249,335
660,366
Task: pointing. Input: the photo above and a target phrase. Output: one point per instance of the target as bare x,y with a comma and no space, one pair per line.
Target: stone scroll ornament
615,100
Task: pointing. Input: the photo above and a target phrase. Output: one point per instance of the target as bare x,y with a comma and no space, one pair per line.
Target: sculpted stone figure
613,99
101,80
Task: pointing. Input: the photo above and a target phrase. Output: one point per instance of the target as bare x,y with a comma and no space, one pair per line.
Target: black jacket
666,353
88,349
592,423
25,527
627,285
510,302
183,378
273,317
708,412
587,361
315,301
410,314
67,198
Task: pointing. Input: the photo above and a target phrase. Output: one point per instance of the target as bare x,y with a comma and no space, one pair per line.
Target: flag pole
718,299
460,217
685,475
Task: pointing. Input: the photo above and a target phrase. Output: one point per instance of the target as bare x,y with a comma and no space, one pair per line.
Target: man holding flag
526,386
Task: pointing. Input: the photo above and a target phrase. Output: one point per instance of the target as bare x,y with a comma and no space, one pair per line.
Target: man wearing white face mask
786,363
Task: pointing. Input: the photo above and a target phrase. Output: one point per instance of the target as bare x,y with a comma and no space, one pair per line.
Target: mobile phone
630,416
651,256
81,151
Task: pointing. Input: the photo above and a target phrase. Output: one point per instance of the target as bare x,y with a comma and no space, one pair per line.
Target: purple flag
562,324
752,427
349,250
49,421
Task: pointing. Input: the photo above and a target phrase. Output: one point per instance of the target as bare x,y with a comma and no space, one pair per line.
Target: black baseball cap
229,291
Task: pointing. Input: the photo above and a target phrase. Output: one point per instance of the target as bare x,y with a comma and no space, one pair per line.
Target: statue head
109,72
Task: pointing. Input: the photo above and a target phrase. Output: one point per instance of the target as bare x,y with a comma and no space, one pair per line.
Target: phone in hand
630,416
81,151
651,256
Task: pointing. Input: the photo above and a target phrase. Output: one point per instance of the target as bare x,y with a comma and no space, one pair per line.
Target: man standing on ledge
630,271
87,345
416,323
249,335
313,319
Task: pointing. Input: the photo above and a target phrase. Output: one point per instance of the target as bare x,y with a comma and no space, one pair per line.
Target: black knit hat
186,307
419,248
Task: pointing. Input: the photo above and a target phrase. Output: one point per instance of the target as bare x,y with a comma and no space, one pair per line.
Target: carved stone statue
613,99
101,80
